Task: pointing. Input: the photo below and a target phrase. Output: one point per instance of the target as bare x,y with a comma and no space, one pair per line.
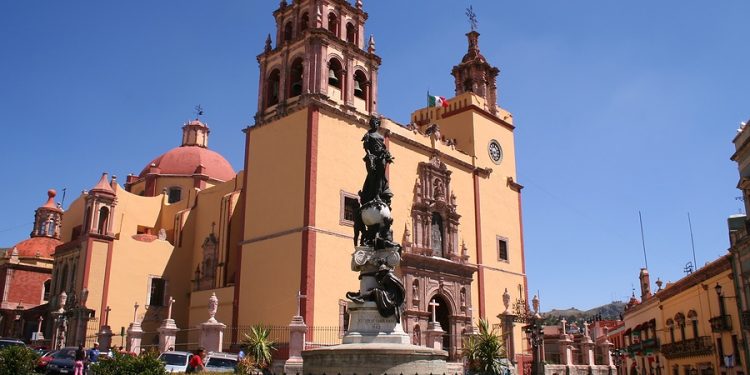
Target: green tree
259,346
126,364
484,351
17,360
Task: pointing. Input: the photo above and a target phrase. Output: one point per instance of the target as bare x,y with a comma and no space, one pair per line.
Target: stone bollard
435,335
104,337
297,330
135,334
212,336
167,334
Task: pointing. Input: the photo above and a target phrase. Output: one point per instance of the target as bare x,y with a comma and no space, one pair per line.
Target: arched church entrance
442,315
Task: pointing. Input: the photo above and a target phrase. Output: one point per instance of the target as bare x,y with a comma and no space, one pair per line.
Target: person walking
92,357
80,357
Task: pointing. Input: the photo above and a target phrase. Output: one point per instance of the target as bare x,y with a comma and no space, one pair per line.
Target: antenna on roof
643,240
62,203
692,242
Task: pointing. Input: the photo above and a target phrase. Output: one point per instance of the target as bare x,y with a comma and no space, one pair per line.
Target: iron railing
688,348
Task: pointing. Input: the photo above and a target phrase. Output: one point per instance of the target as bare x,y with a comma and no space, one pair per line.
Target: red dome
185,160
45,246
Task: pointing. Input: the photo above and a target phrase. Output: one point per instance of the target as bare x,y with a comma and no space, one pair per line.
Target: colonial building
689,327
25,273
187,226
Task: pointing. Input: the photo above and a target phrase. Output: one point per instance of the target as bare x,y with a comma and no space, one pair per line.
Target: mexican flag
436,101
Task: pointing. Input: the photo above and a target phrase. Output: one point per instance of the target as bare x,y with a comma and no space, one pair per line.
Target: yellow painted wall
97,269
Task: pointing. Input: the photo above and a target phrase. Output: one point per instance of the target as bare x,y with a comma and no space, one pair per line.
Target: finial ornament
199,111
371,44
268,44
472,18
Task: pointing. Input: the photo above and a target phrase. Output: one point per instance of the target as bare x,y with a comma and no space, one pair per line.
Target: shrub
126,364
259,346
17,360
484,351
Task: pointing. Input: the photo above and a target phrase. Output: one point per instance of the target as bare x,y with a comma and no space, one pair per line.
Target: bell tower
474,74
320,56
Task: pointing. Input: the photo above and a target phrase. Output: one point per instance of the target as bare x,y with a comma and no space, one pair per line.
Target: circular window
495,151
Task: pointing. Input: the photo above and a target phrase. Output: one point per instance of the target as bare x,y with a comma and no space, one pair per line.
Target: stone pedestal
587,349
212,335
135,334
434,335
297,331
367,326
167,333
104,337
566,352
375,358
606,347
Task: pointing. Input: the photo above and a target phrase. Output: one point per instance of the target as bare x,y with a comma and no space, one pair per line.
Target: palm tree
259,346
484,351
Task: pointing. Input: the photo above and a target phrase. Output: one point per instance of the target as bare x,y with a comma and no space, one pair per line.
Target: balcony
688,348
644,346
721,323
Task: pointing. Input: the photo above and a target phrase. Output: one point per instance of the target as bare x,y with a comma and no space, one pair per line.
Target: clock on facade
495,151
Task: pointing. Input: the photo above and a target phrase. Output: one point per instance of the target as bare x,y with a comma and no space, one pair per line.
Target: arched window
468,87
680,320
333,23
360,85
351,33
304,22
103,225
288,32
174,194
693,316
272,88
670,326
437,235
295,78
47,290
334,73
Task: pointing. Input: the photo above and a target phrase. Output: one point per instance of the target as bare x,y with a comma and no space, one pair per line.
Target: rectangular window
349,207
720,351
502,249
157,291
736,349
175,194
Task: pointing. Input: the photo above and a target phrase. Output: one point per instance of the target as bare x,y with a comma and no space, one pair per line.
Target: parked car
9,342
221,362
63,361
175,361
43,361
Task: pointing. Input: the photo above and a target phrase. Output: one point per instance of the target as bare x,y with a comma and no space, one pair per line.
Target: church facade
189,226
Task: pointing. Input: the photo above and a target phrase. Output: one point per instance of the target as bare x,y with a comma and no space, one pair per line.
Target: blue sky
619,107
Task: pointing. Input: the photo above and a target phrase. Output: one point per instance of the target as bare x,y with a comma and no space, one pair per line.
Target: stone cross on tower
586,329
434,305
169,311
300,296
563,321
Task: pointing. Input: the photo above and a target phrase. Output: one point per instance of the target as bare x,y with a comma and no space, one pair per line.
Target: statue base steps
374,345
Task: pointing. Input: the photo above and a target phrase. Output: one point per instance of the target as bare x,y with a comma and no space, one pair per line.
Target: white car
221,362
175,361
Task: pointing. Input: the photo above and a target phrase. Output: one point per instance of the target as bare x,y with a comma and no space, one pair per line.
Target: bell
358,89
332,79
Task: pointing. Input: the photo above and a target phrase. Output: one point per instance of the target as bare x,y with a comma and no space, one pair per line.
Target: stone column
212,331
297,330
566,355
587,346
104,337
134,336
167,330
434,331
